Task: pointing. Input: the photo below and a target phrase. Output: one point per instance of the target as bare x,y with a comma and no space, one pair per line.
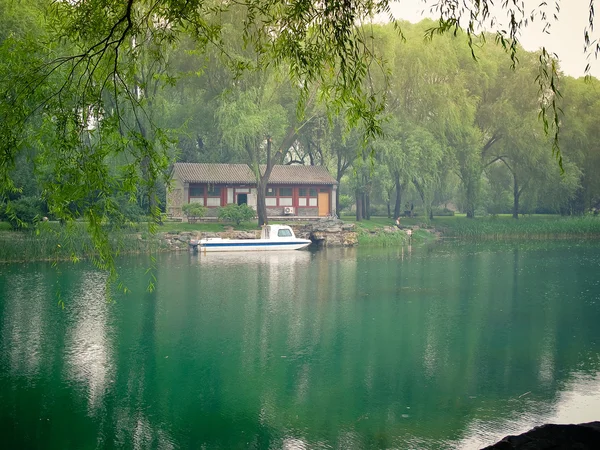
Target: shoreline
30,245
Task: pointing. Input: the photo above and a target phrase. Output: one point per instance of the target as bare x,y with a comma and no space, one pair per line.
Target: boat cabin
275,232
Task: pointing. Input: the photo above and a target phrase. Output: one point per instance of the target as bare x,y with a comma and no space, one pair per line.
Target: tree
251,122
581,139
83,69
342,146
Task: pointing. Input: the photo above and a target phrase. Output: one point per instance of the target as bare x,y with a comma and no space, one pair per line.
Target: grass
209,227
53,242
382,239
50,242
371,232
493,228
528,227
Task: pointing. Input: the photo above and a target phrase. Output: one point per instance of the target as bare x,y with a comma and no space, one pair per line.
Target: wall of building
180,194
175,198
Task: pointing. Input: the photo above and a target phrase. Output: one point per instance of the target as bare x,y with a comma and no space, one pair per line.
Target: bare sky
565,37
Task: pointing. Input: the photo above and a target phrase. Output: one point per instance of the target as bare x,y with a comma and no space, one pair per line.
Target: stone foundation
324,233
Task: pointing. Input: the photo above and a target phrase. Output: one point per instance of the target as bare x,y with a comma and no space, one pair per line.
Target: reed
68,243
497,228
381,238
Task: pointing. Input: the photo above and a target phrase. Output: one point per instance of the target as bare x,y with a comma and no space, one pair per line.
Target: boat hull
251,245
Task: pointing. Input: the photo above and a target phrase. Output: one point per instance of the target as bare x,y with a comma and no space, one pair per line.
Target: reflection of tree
89,356
355,346
364,347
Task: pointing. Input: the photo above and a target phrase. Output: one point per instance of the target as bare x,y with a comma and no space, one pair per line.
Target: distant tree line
454,132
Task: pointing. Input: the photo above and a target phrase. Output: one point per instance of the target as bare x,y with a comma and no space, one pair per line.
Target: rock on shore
585,436
328,233
325,233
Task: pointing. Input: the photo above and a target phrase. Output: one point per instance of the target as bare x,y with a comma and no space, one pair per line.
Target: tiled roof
241,173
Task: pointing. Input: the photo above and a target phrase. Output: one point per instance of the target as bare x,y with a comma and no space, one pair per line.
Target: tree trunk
470,207
398,203
516,195
261,207
337,198
359,206
261,183
367,206
389,210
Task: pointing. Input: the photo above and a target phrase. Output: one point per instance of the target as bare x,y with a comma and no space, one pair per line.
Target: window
285,192
307,197
214,191
271,192
196,191
323,190
284,233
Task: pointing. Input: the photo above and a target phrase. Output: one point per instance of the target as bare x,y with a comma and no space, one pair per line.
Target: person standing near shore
398,222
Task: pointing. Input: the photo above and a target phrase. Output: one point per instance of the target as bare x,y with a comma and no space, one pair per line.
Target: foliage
535,227
345,203
236,213
442,212
209,227
95,95
23,212
382,239
54,242
194,210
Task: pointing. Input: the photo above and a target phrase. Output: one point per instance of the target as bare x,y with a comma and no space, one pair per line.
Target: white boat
272,237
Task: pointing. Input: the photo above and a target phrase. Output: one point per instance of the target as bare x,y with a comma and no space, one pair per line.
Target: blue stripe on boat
240,244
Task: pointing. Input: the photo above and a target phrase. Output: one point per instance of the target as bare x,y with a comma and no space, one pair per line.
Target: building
294,190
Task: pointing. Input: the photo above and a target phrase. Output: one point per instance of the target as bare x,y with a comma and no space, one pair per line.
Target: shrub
193,210
442,212
122,211
379,210
24,211
236,213
346,203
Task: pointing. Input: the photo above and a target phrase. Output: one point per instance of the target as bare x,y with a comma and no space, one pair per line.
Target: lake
442,346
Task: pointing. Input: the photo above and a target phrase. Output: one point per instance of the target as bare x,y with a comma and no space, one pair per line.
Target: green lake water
446,346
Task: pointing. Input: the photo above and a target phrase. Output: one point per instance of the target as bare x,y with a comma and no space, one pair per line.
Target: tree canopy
98,97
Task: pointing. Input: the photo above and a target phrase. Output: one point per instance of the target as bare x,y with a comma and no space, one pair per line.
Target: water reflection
447,348
88,348
23,326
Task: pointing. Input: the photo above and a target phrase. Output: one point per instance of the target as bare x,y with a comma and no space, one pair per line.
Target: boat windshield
284,233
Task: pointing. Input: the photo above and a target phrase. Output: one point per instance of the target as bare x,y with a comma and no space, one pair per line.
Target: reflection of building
294,190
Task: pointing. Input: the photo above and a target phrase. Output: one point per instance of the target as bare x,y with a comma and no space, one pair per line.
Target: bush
236,213
24,211
379,210
442,212
346,203
193,210
122,211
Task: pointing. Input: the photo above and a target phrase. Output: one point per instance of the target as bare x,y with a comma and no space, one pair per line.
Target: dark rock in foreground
554,437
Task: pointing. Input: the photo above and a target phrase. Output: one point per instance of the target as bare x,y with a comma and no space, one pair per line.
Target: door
242,199
323,203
